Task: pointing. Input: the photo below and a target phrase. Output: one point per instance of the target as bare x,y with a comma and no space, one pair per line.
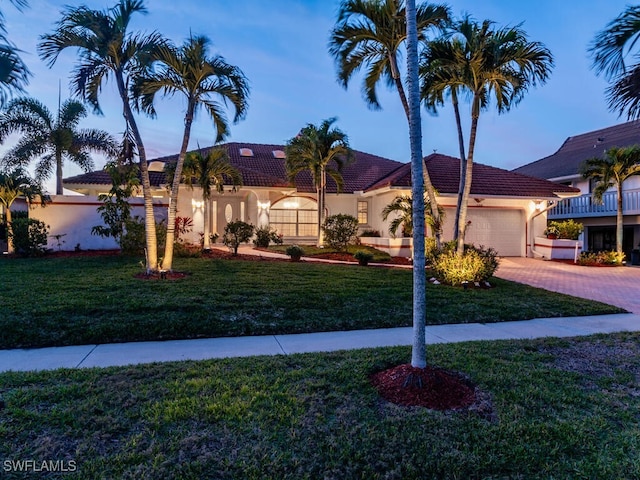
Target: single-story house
599,219
506,209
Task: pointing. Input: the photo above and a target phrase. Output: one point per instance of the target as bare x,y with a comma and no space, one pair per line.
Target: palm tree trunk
7,219
320,215
619,219
167,262
149,217
58,172
206,245
463,164
462,212
418,351
398,82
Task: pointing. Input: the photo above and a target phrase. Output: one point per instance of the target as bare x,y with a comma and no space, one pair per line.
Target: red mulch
347,257
430,387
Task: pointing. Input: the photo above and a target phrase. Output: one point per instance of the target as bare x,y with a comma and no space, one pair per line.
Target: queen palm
321,150
207,82
13,184
14,74
611,171
491,66
52,139
209,172
107,49
609,51
370,34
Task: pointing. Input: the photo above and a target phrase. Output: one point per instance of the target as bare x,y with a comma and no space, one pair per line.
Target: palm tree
611,171
322,151
402,209
486,63
52,139
609,51
418,350
14,74
106,50
370,34
202,79
209,173
13,184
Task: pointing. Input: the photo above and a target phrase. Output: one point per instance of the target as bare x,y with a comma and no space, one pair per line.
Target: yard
54,301
559,409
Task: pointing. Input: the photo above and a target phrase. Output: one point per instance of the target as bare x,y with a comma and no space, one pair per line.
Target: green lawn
564,409
70,301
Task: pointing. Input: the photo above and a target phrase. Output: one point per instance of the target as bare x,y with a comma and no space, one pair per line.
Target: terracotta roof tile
444,172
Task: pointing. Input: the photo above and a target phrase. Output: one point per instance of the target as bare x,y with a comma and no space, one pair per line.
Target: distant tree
610,50
52,139
14,74
14,184
611,171
370,34
485,63
209,173
205,81
322,151
108,50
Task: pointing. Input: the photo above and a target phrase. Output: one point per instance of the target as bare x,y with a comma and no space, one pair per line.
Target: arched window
295,217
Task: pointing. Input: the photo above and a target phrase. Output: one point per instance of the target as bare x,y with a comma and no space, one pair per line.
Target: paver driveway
618,286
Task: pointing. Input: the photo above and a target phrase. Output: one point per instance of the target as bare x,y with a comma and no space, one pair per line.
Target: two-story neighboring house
599,219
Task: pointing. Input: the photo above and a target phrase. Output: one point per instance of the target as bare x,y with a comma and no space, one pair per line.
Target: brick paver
618,286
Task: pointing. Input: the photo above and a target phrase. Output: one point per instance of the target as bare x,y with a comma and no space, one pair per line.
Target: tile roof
263,169
567,160
487,181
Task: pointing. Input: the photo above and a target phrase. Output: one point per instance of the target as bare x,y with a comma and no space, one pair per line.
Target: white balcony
585,206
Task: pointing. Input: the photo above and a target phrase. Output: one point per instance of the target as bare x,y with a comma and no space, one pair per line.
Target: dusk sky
281,46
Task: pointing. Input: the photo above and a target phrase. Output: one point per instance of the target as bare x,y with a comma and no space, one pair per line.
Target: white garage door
502,229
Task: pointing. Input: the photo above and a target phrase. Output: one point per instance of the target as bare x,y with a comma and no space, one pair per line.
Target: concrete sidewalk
107,355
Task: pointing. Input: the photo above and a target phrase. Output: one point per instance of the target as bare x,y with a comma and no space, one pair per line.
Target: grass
564,409
85,300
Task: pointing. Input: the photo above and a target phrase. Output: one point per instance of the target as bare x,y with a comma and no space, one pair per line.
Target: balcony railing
586,206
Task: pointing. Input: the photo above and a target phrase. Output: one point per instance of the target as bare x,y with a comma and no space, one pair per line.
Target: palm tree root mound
430,387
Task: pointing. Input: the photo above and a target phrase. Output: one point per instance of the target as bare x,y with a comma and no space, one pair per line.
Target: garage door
502,229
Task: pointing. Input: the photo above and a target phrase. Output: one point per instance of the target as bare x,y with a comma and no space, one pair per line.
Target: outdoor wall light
197,204
264,206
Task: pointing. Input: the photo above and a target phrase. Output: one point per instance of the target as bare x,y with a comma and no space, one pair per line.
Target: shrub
567,229
29,236
370,233
186,250
475,265
340,230
133,240
431,251
184,225
264,236
236,233
601,258
363,257
294,251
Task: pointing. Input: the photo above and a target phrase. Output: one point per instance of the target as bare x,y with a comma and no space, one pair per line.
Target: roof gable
566,162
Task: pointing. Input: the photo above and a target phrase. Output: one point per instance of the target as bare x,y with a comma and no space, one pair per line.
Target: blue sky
281,46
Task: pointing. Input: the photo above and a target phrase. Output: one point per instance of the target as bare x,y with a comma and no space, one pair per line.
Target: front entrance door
228,209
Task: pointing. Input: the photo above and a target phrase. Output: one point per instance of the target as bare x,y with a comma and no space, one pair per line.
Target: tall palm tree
487,64
611,171
14,74
13,184
370,34
322,151
609,51
107,49
206,82
52,139
209,172
418,350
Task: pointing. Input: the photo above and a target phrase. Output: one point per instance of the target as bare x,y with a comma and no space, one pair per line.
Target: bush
601,258
370,233
431,251
567,229
186,250
475,265
133,241
363,257
294,251
340,230
236,233
29,236
264,236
